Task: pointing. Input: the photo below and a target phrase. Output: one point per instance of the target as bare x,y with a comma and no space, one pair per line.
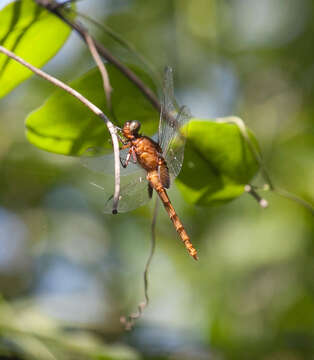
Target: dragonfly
147,163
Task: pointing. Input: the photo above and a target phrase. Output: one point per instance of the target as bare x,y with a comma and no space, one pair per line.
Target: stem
240,124
130,320
87,103
119,39
108,90
101,66
250,190
288,195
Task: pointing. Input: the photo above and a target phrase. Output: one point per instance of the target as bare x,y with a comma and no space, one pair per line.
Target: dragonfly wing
133,194
172,119
174,152
133,190
169,110
134,186
97,161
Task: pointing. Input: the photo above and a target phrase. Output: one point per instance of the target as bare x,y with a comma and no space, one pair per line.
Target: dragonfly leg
134,157
125,162
150,190
126,145
121,138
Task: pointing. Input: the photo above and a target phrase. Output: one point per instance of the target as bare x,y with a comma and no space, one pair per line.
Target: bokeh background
68,272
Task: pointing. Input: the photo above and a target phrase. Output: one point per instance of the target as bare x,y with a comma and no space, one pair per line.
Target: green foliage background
68,272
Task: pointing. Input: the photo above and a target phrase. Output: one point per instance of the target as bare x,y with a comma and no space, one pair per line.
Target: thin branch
269,186
295,198
250,190
108,90
119,39
129,321
286,194
87,103
101,66
258,157
104,53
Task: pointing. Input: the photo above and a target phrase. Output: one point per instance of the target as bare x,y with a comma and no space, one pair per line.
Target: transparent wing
96,160
174,154
172,119
133,193
134,186
169,110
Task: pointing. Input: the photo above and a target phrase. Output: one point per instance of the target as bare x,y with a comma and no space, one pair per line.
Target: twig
90,105
269,186
258,157
286,194
119,39
101,66
129,321
108,89
295,198
250,190
104,52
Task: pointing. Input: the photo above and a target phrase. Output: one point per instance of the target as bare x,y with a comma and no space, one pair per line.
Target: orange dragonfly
148,164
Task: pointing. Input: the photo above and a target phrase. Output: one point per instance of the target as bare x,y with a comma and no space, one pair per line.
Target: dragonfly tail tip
114,211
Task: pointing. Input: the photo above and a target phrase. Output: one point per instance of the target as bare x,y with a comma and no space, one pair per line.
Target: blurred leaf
32,33
29,347
299,316
217,162
38,174
33,335
90,345
65,126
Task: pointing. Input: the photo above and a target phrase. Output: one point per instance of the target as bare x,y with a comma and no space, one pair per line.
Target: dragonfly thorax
131,128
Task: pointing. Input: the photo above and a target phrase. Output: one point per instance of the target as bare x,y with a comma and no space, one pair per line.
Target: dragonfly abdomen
152,177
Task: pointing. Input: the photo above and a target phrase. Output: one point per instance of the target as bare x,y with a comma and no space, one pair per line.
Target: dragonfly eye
135,126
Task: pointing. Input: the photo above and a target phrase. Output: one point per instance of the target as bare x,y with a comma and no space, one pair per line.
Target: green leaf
30,32
218,162
65,126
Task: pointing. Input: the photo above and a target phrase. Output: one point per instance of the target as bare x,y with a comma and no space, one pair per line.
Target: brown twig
103,71
103,52
108,89
129,321
120,40
87,103
250,190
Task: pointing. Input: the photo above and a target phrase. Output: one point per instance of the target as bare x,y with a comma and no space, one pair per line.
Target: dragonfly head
131,129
